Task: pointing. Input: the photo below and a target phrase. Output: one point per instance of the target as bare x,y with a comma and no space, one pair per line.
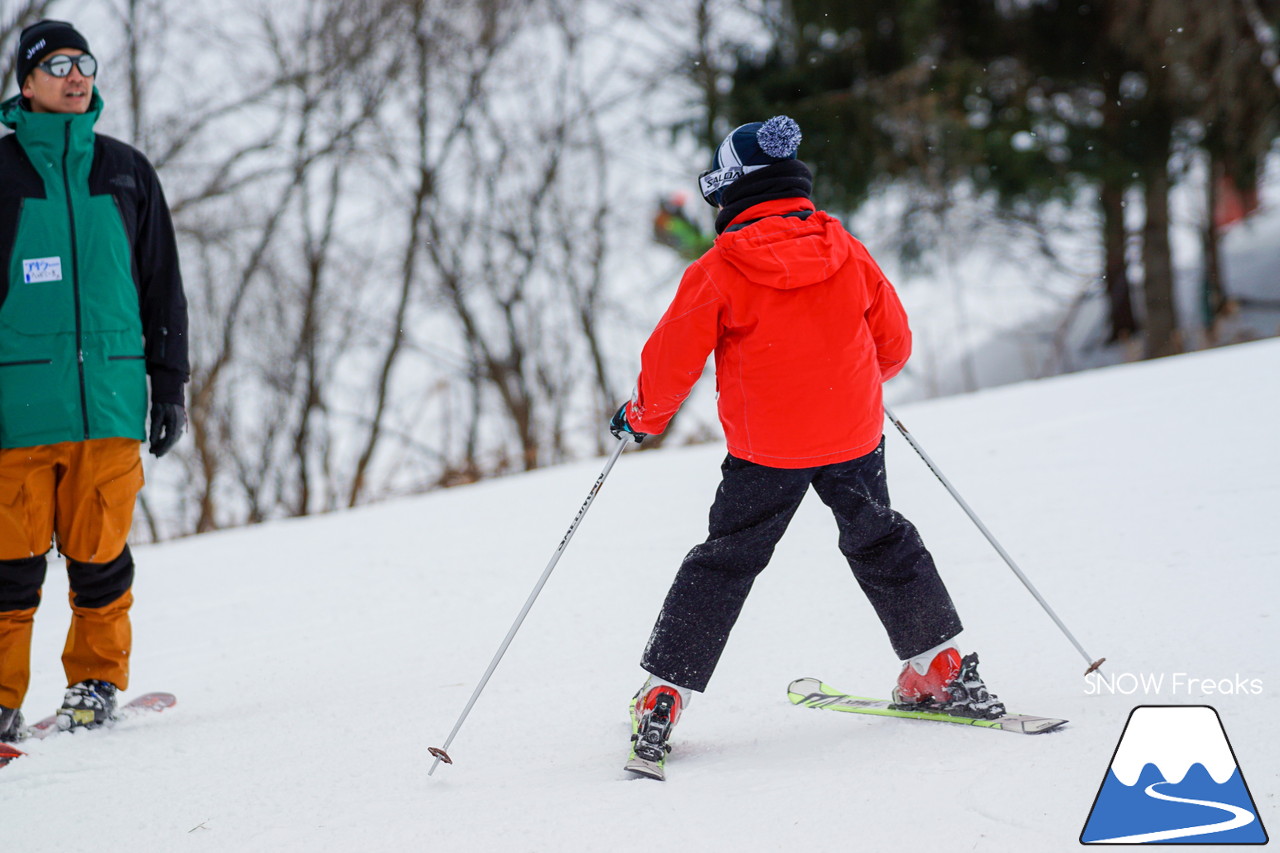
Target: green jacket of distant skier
91,297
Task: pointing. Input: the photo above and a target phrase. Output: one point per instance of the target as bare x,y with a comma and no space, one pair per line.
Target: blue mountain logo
1174,779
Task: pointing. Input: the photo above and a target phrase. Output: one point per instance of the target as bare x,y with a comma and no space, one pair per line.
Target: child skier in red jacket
805,327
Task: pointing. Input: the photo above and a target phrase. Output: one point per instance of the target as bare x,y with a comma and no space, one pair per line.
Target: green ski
812,693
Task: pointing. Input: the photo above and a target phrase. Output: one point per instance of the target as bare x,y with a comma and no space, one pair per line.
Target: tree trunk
1123,322
1163,336
1116,178
1214,294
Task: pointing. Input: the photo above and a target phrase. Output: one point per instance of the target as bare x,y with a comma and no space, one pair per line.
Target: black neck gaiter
786,179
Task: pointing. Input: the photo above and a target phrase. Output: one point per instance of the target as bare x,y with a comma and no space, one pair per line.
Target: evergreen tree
1029,101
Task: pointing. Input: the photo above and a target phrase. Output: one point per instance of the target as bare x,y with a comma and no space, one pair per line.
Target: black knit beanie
41,39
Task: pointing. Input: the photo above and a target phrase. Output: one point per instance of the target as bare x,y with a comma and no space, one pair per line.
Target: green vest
71,345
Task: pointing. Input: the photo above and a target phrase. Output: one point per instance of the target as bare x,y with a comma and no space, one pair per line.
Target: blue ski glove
618,425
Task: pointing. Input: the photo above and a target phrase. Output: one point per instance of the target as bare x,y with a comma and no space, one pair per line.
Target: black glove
618,425
168,422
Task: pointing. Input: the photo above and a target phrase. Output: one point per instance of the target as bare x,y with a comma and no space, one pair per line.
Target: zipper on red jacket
75,280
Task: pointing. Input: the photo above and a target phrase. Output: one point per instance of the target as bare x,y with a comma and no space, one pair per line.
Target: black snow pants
753,506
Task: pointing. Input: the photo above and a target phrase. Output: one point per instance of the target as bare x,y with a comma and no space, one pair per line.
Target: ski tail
644,767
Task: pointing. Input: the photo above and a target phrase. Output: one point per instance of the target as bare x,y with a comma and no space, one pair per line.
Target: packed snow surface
316,660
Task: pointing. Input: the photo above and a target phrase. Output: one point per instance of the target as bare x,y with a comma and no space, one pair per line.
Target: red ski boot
949,684
931,685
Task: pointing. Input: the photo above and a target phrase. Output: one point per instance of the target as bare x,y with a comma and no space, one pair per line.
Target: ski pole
1093,664
440,752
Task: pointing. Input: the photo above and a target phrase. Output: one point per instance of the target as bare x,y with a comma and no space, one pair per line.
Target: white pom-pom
779,137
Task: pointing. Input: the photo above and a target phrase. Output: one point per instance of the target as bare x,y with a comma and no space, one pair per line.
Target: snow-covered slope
316,660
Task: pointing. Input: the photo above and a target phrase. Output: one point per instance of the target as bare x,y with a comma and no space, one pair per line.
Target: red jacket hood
798,367
785,252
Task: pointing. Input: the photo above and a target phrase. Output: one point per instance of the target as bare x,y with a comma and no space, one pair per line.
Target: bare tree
440,43
502,246
394,220
329,81
18,15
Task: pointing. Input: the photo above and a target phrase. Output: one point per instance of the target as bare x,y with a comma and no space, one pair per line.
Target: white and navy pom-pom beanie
747,149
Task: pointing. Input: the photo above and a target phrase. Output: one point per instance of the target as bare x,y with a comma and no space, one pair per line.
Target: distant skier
672,227
805,328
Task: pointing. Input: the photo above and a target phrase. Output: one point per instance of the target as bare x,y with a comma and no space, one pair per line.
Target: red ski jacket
805,328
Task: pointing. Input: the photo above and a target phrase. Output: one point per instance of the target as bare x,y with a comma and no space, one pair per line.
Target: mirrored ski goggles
712,181
60,65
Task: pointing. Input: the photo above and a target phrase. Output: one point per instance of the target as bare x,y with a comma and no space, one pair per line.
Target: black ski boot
87,705
11,728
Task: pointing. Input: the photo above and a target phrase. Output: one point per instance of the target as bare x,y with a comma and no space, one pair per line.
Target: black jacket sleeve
124,172
161,297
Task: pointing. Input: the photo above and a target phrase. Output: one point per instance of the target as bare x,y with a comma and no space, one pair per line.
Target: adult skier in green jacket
91,306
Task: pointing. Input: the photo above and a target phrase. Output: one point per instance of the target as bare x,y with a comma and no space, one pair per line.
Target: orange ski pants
82,493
